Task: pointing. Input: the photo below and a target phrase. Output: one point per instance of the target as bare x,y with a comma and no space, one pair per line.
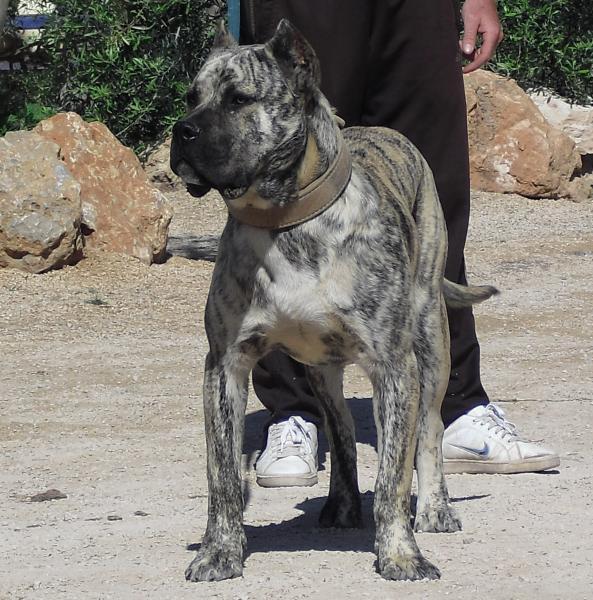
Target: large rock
512,147
40,210
574,120
122,211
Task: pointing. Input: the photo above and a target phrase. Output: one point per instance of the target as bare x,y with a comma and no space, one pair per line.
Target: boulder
512,147
40,209
122,211
574,120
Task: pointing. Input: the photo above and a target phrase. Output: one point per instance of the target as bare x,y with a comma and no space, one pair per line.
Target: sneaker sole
532,465
287,481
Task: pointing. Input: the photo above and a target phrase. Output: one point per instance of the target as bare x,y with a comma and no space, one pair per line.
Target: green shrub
125,63
27,116
548,44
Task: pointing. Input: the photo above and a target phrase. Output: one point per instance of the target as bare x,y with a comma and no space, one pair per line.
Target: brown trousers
392,63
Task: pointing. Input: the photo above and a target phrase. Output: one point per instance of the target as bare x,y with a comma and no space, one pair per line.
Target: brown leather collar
312,200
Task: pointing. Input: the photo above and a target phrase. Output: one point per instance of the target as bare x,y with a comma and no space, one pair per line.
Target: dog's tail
459,296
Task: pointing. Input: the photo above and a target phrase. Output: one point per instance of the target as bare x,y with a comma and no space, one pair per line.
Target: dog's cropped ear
223,39
296,58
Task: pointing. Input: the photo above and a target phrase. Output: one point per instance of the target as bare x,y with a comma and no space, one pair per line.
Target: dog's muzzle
184,134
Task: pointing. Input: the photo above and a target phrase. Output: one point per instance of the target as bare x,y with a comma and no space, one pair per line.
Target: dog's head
246,113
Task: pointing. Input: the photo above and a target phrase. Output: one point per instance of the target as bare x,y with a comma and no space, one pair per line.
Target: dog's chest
300,304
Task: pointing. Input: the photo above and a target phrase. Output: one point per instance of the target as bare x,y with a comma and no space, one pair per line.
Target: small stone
159,171
51,494
140,513
114,518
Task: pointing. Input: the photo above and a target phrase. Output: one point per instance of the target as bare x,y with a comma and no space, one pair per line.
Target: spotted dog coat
360,283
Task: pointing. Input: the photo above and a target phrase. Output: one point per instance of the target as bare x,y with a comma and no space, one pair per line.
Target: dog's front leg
225,396
395,400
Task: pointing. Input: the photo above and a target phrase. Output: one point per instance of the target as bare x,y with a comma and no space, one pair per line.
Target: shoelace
294,437
495,419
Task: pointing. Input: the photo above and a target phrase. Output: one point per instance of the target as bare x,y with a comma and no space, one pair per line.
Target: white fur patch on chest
300,314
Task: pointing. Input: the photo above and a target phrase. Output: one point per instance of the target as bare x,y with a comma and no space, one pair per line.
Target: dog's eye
238,99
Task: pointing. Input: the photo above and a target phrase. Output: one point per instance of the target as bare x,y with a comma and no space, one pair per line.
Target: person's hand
480,18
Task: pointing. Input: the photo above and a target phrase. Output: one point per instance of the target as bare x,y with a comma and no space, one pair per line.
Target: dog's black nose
185,131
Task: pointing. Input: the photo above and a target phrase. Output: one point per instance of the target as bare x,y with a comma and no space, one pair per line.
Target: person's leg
282,387
415,85
409,76
339,31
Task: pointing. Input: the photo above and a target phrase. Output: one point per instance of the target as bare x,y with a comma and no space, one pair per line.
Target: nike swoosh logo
477,451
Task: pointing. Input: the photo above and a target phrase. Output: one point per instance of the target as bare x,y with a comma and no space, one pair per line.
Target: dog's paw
408,568
441,520
214,564
341,513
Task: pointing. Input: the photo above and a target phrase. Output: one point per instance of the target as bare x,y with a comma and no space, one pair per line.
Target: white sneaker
290,456
483,441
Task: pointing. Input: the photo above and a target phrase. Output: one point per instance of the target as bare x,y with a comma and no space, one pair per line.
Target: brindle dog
362,282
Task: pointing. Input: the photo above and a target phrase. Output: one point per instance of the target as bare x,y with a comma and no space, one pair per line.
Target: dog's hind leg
395,403
343,506
225,396
433,511
431,346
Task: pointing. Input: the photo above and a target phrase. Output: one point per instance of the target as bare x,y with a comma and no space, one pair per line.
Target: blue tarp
29,21
234,15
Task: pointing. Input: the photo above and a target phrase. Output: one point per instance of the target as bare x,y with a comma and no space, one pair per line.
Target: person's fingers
480,24
470,33
484,53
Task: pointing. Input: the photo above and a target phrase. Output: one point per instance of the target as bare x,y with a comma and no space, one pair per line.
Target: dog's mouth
196,185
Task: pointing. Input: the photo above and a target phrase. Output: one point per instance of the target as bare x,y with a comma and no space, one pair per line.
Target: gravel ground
100,397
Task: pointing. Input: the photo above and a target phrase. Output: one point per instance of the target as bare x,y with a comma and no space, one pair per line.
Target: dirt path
100,398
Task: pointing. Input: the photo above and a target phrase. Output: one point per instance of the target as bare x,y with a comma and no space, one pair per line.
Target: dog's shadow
302,533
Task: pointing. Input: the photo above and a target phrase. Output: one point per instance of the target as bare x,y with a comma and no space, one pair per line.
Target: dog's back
389,160
403,183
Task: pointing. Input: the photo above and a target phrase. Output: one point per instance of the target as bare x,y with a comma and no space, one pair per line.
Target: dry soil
100,398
